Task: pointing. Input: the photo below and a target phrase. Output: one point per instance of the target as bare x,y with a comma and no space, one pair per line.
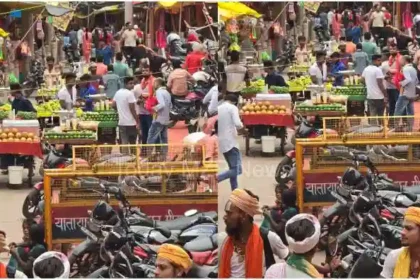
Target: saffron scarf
398,76
253,256
402,267
298,262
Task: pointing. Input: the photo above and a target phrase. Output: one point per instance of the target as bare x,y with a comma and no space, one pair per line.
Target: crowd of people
385,58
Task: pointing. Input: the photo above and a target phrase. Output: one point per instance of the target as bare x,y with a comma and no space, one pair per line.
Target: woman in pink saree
336,25
87,44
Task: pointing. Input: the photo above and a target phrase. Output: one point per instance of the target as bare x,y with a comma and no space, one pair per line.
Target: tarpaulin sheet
230,10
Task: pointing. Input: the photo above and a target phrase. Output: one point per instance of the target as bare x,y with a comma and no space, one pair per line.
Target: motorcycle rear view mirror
191,213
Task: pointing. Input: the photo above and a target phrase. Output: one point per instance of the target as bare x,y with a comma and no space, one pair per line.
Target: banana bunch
255,87
48,92
47,109
6,107
300,83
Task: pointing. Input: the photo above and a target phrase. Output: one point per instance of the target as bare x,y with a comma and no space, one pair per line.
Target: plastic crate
355,108
107,135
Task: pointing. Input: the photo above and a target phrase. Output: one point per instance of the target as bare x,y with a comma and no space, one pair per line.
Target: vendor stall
267,115
19,145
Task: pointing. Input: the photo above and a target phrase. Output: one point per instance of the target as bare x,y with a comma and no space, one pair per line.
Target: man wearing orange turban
405,262
172,262
247,251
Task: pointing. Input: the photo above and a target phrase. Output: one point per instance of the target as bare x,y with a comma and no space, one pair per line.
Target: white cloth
321,76
129,37
64,95
228,123
390,263
138,91
238,267
371,74
304,246
123,98
212,98
378,19
235,76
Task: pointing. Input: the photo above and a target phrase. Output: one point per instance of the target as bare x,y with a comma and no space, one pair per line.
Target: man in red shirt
139,33
194,58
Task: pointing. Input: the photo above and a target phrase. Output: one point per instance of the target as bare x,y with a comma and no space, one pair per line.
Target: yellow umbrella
234,9
167,4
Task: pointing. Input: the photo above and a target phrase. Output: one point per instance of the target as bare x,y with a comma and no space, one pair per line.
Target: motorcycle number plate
338,197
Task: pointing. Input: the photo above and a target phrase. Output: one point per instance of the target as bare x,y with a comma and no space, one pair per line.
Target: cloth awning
228,10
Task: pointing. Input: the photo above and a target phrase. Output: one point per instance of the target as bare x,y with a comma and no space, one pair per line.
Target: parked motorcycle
34,79
287,57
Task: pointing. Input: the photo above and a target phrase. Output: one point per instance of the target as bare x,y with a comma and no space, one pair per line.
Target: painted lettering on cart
70,224
319,186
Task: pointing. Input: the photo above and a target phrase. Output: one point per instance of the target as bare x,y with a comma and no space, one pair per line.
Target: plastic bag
265,56
13,79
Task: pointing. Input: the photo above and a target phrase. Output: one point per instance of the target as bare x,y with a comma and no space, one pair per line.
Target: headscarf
53,254
175,255
304,246
402,267
241,199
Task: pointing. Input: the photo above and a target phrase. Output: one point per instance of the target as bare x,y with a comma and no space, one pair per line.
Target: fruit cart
107,127
269,115
164,189
19,144
356,96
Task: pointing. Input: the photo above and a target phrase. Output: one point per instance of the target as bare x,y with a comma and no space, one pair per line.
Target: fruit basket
71,136
103,116
278,90
26,115
16,135
255,88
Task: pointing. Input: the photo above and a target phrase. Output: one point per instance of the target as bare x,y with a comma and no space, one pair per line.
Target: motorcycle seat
201,271
184,222
203,244
201,258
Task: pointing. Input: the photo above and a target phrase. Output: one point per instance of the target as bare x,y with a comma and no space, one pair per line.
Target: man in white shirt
373,77
67,95
212,99
377,19
318,71
229,123
235,75
129,38
124,102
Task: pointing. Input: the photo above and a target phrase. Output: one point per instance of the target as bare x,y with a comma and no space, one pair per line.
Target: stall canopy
228,10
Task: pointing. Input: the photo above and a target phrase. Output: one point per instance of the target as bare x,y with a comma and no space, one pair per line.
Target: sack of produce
88,125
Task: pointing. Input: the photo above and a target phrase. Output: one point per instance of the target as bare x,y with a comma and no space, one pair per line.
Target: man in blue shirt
337,66
106,52
85,90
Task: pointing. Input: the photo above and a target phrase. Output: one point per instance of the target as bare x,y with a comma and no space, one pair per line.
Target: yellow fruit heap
13,135
47,109
6,107
263,107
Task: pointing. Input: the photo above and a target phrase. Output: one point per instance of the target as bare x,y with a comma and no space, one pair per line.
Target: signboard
63,21
311,6
319,185
66,221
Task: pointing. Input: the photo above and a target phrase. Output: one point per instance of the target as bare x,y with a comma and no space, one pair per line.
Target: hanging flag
312,6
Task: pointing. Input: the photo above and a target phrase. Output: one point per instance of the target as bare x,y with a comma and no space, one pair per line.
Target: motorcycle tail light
61,165
386,214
